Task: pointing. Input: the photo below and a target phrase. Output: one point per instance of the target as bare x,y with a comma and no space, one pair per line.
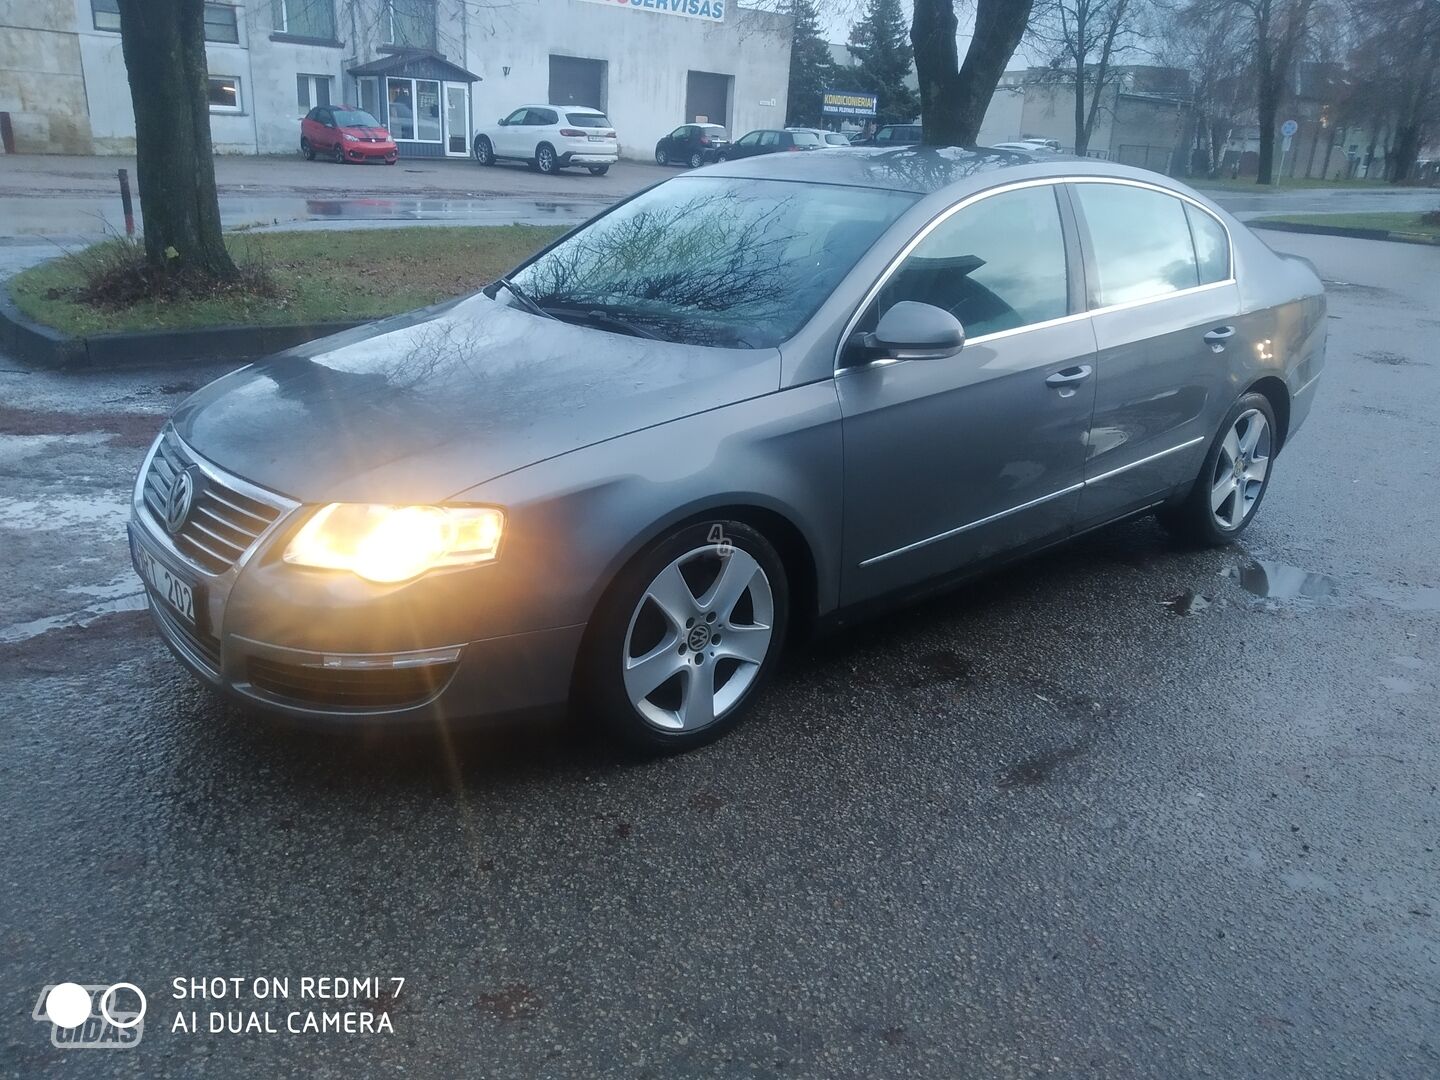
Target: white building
430,69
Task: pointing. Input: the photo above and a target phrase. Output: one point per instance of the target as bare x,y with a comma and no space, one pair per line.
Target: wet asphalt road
1048,825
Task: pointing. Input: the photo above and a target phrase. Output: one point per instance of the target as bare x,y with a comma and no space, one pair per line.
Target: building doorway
457,120
575,80
707,98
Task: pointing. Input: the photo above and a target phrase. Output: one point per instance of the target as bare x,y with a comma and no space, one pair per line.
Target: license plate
596,138
176,593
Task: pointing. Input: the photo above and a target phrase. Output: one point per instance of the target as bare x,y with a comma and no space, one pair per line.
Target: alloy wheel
545,158
696,160
661,158
698,638
1240,469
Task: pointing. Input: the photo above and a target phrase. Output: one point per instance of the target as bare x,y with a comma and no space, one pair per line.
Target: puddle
1186,603
1280,581
1037,768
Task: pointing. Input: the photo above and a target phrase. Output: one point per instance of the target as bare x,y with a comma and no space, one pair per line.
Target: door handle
1216,338
1069,376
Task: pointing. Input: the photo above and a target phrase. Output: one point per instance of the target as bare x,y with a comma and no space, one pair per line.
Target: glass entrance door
457,120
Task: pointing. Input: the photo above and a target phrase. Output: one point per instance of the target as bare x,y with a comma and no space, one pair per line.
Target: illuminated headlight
396,543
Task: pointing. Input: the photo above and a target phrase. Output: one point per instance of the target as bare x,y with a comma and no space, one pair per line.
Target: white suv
550,137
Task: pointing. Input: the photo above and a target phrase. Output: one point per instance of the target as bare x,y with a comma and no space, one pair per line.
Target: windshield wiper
596,317
525,301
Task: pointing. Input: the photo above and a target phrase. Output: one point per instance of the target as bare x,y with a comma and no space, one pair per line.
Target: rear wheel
1232,481
696,160
686,636
484,153
307,149
599,170
545,159
661,157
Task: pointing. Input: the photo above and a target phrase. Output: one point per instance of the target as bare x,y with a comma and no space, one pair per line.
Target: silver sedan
743,405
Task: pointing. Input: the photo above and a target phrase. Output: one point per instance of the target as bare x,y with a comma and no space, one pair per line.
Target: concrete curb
45,347
1337,230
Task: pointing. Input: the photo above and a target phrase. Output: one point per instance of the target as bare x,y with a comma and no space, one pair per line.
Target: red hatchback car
345,134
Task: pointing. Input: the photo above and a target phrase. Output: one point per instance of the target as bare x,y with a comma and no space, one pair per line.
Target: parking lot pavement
1125,810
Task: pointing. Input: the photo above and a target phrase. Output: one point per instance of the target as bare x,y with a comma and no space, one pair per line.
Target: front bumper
316,647
371,151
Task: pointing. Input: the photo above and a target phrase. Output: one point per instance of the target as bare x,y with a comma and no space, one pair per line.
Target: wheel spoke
643,674
1221,491
736,573
1258,468
1254,428
747,643
1237,505
1231,446
697,706
673,597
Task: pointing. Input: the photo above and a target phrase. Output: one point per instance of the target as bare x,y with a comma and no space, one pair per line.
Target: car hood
420,407
367,132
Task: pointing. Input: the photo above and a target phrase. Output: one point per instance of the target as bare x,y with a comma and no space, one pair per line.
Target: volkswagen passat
741,404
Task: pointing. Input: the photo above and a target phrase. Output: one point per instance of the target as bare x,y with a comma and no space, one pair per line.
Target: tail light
571,133
609,134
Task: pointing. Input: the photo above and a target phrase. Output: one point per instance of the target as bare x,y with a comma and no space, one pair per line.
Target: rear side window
1212,245
586,120
1141,242
996,265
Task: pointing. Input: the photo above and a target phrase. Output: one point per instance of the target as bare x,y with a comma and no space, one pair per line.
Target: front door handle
1068,377
1216,338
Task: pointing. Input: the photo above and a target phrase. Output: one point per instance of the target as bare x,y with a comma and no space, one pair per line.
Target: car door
769,142
746,146
510,134
327,133
950,462
1161,328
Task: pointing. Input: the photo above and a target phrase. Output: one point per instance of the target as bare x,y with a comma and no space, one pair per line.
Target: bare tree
1088,38
1208,45
954,97
163,42
1395,69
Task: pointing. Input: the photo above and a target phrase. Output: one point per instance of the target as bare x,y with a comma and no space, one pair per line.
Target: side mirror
501,121
915,331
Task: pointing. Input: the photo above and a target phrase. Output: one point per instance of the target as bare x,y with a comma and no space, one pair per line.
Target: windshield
587,120
712,260
355,118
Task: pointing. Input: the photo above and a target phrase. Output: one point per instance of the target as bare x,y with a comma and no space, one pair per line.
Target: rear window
587,120
806,138
836,139
714,131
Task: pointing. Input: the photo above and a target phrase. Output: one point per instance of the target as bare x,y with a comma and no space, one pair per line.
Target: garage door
707,98
577,81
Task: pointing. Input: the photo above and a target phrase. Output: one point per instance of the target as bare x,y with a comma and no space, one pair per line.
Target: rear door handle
1069,376
1216,338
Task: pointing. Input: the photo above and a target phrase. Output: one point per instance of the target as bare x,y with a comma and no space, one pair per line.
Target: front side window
712,261
1141,242
1212,245
769,138
304,18
411,23
221,25
106,14
750,139
224,93
517,117
996,265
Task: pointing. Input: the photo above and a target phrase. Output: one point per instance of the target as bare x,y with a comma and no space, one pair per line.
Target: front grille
222,524
204,648
362,688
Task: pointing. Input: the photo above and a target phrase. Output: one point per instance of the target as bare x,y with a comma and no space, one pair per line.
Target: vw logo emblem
699,637
182,496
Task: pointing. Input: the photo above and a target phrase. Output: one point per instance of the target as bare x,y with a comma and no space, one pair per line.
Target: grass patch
308,277
1288,183
1416,226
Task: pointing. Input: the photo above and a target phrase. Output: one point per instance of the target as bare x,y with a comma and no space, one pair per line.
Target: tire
661,157
686,708
484,152
337,154
545,159
720,159
696,160
307,150
1212,513
599,170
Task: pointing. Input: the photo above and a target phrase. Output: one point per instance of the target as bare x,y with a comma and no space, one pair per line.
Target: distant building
430,70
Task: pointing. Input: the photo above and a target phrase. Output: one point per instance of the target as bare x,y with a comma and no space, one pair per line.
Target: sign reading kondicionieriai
847,103
711,10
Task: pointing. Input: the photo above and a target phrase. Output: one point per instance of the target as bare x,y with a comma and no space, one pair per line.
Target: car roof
928,169
563,108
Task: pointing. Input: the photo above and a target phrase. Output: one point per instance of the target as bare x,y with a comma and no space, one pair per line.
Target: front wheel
484,153
599,170
545,159
307,149
337,154
1232,481
661,157
685,637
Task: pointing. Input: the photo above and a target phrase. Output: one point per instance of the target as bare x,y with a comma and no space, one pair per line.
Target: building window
311,90
411,23
106,14
414,109
304,18
368,91
221,24
224,94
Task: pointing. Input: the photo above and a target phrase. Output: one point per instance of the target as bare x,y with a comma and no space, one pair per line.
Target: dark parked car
767,141
763,397
829,138
693,145
893,135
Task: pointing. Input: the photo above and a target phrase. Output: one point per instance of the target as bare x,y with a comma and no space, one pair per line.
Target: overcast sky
837,16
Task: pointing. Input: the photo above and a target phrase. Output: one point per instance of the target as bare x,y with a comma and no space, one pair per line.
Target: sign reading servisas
710,10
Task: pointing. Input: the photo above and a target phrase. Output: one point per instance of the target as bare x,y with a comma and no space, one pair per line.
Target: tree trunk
1407,152
953,102
163,42
1268,106
1082,129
